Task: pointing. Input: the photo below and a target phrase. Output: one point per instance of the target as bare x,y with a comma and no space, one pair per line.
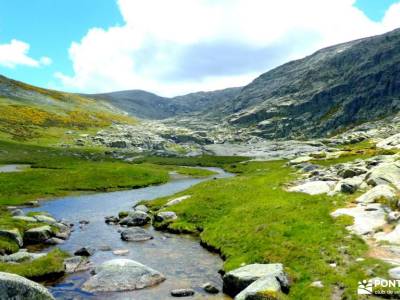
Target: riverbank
253,219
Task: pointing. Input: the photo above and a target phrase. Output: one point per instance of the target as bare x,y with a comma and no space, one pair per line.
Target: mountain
325,93
146,105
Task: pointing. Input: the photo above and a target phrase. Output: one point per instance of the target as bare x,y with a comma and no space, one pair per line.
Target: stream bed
181,258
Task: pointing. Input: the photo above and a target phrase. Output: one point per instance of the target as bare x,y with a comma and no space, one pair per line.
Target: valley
292,181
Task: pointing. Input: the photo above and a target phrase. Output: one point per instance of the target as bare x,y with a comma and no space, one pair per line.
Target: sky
173,47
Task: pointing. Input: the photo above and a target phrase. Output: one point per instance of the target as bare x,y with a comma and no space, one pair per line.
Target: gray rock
165,216
210,288
45,219
111,220
76,264
378,192
85,251
142,208
367,219
394,273
239,279
122,275
264,288
12,234
21,256
182,293
314,187
25,219
351,172
135,234
17,212
19,288
136,218
385,173
38,234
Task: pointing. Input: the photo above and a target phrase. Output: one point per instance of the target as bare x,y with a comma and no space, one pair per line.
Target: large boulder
265,288
239,279
19,288
38,234
135,234
367,218
12,234
165,216
314,187
378,192
385,173
391,142
122,275
135,218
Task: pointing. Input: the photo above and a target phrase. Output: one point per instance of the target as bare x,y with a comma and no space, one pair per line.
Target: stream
181,258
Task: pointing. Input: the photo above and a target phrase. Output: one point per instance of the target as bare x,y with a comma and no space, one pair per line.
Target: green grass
202,161
251,218
58,172
52,263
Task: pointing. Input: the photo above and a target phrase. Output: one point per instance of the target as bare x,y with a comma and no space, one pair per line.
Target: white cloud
16,53
179,46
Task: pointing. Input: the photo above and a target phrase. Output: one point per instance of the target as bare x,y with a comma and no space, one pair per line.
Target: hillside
29,113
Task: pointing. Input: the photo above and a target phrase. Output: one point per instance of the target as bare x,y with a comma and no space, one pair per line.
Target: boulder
367,219
235,281
182,293
76,264
385,173
135,218
177,200
142,208
349,172
394,273
210,288
135,235
301,159
45,219
38,234
111,220
314,187
267,287
12,234
391,142
21,256
122,275
392,237
16,287
17,212
85,251
25,219
378,192
165,216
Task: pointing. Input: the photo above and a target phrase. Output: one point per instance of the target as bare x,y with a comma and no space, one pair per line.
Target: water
180,258
13,168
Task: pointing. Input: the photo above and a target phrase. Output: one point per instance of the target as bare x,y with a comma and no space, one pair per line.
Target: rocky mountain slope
323,94
146,105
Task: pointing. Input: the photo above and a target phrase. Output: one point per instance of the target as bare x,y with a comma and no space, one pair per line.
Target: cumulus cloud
179,46
16,53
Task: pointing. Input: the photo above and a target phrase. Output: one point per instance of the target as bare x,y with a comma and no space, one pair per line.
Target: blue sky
171,47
